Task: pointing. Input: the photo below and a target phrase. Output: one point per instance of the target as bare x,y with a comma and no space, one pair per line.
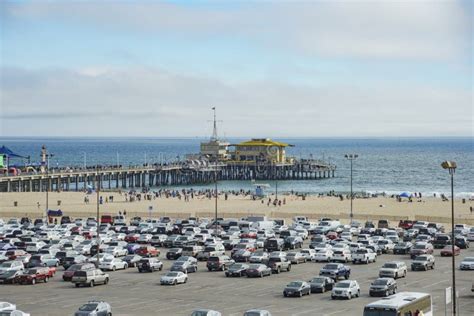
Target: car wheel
300,294
106,281
346,277
289,268
396,275
333,297
33,281
160,268
174,283
394,290
284,294
91,284
386,293
77,284
185,280
46,280
404,273
125,266
209,269
358,293
57,264
114,268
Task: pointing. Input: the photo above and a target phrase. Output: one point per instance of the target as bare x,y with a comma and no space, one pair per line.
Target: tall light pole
98,203
47,156
351,158
215,204
451,167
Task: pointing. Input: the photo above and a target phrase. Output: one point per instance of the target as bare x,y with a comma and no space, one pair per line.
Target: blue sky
322,68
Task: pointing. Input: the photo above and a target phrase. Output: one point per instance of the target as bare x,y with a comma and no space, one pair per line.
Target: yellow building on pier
260,149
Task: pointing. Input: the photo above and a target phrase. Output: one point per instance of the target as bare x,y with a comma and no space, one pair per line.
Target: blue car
336,271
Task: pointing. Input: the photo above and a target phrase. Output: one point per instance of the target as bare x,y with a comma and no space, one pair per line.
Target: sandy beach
33,204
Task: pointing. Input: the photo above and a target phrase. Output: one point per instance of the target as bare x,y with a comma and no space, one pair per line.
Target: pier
161,175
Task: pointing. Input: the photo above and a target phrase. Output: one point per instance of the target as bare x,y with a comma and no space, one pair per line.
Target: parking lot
133,293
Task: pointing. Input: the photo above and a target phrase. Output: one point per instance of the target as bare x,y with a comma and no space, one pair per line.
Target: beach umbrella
405,194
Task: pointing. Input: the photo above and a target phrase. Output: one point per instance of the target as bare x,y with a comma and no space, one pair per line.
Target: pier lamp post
98,204
48,156
215,198
451,167
351,158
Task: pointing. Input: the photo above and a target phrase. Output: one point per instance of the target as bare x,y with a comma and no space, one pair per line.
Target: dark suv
219,263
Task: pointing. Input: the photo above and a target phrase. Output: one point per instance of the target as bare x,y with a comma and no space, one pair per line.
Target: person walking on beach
471,209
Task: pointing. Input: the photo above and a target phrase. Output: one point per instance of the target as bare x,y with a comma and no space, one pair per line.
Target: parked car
149,265
461,241
383,287
147,251
68,274
219,263
90,277
324,255
309,254
205,312
447,251
43,260
257,312
113,264
132,260
467,264
364,255
94,308
335,271
402,248
11,266
258,270
441,240
297,288
321,284
237,269
423,262
421,248
9,277
187,266
345,289
173,278
393,269
259,256
278,264
296,257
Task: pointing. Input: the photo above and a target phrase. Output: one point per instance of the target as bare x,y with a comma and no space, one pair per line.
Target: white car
364,255
14,312
7,306
470,235
323,256
393,269
11,266
173,278
116,251
102,257
341,255
467,264
346,235
345,289
308,253
113,264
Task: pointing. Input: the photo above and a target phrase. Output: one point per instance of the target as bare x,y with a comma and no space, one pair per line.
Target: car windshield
380,282
390,265
88,307
172,274
420,246
343,285
8,274
331,266
235,266
318,280
421,258
6,265
294,284
31,271
254,266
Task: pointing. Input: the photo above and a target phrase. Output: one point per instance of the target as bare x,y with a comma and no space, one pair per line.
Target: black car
132,260
8,277
297,288
237,270
321,284
383,287
258,270
174,253
461,242
293,242
402,248
242,255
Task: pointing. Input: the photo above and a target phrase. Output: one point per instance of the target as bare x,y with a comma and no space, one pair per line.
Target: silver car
94,308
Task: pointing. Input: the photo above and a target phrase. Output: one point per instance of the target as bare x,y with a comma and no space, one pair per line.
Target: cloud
154,102
406,30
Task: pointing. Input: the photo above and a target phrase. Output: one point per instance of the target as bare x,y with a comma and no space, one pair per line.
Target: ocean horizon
385,164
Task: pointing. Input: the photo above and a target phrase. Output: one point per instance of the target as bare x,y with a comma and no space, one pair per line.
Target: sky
271,68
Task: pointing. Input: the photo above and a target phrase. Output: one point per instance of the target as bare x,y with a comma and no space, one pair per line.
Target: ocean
391,165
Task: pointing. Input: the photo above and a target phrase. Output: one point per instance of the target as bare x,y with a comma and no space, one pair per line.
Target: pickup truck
364,255
336,271
278,264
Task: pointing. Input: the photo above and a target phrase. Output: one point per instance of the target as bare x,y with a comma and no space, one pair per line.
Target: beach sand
72,203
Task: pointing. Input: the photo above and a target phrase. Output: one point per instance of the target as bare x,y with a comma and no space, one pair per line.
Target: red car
132,237
14,254
447,251
405,224
249,234
147,251
34,275
332,235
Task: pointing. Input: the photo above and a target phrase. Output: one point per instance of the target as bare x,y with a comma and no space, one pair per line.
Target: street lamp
97,221
47,155
351,158
451,167
215,204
